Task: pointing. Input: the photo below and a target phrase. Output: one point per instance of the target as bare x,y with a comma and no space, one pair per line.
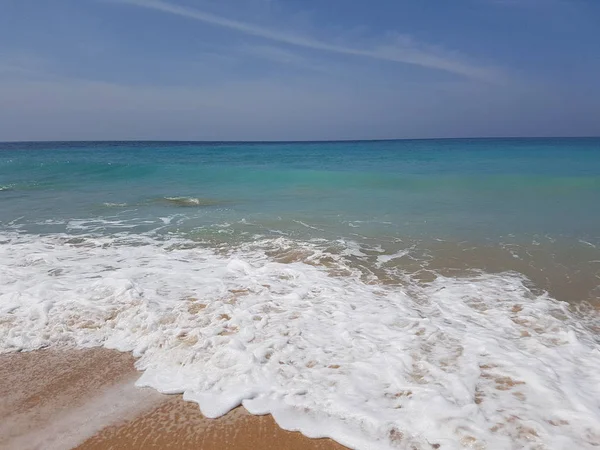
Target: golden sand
57,399
176,424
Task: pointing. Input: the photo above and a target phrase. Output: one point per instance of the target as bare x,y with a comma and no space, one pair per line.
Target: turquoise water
526,205
398,294
476,189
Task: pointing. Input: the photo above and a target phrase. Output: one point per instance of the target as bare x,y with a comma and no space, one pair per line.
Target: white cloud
398,50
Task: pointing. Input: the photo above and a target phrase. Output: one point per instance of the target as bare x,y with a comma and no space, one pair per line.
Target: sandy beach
86,399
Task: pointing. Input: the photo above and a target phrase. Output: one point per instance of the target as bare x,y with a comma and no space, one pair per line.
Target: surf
479,360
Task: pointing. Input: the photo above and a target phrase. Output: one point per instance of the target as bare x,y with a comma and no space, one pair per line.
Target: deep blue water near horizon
472,188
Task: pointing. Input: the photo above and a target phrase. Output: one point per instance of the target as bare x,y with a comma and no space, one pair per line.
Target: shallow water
387,294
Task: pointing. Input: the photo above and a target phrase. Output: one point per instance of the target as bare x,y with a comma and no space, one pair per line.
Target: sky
298,69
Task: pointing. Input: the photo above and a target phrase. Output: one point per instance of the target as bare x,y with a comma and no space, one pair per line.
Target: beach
86,399
376,295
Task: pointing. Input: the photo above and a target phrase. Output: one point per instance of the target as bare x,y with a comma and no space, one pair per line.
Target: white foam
383,259
305,225
52,222
468,362
589,244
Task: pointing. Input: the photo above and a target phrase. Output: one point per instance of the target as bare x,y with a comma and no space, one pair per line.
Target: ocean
386,294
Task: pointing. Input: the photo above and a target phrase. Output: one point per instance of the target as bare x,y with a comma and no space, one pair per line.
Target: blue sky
297,70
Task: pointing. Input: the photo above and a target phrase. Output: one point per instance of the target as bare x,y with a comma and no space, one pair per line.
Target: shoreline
86,399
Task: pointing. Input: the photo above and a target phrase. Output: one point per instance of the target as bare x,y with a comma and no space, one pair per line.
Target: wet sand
86,399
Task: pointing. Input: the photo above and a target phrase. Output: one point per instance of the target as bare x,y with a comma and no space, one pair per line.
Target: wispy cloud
400,50
282,56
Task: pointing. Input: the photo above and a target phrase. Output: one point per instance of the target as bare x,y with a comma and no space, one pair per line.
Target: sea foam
477,362
191,201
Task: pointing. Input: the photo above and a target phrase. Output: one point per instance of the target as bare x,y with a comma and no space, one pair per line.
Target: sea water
396,294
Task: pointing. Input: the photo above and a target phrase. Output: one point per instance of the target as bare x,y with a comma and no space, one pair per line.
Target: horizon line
308,141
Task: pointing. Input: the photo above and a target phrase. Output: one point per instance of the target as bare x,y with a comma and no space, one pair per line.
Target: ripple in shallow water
191,201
